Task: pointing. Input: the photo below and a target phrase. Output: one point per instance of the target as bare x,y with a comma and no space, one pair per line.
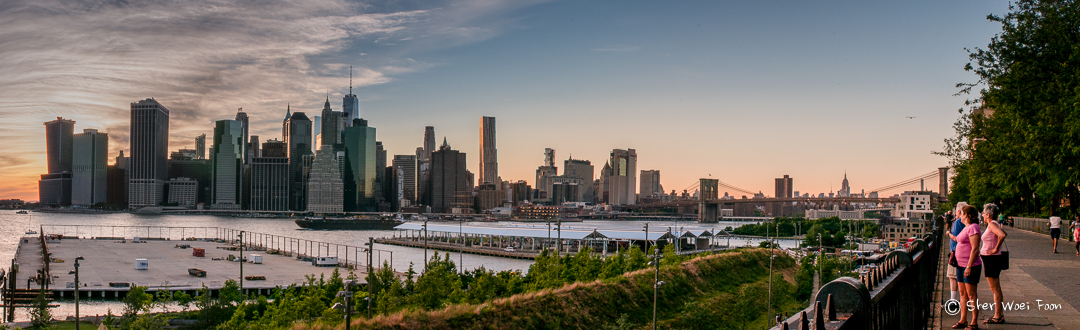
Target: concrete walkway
1046,283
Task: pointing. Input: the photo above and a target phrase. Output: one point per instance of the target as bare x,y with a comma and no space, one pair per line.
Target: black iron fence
896,293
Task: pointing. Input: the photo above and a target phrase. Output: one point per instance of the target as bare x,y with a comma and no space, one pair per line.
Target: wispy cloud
617,49
203,59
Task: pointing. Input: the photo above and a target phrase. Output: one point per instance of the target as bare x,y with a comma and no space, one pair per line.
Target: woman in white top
992,259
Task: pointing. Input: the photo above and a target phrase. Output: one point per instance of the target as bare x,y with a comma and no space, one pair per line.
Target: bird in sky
910,117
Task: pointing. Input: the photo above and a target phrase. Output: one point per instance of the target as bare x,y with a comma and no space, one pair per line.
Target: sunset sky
744,91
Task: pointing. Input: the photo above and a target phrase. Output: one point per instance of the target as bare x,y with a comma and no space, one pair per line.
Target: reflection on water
13,226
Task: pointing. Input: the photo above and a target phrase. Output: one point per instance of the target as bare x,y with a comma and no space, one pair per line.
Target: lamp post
656,284
558,238
425,246
241,237
461,252
371,269
773,256
77,291
646,236
347,294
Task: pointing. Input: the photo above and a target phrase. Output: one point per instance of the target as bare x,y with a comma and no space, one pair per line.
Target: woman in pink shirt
967,256
992,259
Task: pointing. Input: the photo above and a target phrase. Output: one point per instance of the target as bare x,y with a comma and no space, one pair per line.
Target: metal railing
1038,225
896,293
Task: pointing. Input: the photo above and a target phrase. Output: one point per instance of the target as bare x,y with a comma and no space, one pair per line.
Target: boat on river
360,222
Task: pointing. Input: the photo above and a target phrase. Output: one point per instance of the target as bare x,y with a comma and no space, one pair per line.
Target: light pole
770,283
77,291
241,237
646,236
558,239
656,284
461,252
347,294
371,269
425,246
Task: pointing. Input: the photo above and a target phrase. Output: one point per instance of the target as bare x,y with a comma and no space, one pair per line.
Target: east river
13,226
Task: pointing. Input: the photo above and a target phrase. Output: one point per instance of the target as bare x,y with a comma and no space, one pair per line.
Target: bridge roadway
1035,274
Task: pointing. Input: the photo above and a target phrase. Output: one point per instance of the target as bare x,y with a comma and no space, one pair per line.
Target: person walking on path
993,260
1055,230
1076,236
968,243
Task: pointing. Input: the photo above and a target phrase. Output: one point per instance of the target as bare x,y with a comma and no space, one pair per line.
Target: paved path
1036,276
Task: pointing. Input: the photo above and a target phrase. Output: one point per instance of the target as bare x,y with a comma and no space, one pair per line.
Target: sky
740,91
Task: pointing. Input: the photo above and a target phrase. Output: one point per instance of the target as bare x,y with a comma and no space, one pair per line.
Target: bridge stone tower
708,213
943,184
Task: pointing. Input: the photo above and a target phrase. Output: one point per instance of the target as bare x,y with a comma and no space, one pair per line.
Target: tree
40,316
1018,143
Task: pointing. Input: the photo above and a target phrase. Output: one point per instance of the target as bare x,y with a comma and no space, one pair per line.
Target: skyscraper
242,117
148,169
361,152
226,164
325,188
489,165
331,125
429,142
845,188
545,173
650,184
621,183
198,170
254,149
89,176
405,172
54,188
316,139
270,178
450,186
784,187
350,104
297,134
58,139
381,188
581,169
200,146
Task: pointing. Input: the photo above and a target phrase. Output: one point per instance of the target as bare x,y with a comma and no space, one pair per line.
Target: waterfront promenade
1036,276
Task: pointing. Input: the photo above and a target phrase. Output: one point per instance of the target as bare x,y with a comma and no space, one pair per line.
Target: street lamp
558,237
656,284
646,236
770,282
241,237
77,291
371,269
425,246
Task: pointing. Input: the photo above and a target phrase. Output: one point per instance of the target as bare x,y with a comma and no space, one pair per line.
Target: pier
108,270
529,242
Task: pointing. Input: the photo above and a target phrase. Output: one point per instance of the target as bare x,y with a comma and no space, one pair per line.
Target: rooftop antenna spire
350,80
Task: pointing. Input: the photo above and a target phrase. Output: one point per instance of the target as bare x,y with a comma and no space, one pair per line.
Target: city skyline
664,81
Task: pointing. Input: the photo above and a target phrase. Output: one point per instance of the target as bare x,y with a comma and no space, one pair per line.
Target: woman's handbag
952,260
1004,256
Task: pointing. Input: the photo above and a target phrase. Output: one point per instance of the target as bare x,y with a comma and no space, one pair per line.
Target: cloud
617,49
203,59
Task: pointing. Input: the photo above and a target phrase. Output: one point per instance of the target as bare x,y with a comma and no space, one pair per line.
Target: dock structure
529,242
109,268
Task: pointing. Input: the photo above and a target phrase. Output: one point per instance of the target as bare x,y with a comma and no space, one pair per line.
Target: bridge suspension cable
907,182
719,183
